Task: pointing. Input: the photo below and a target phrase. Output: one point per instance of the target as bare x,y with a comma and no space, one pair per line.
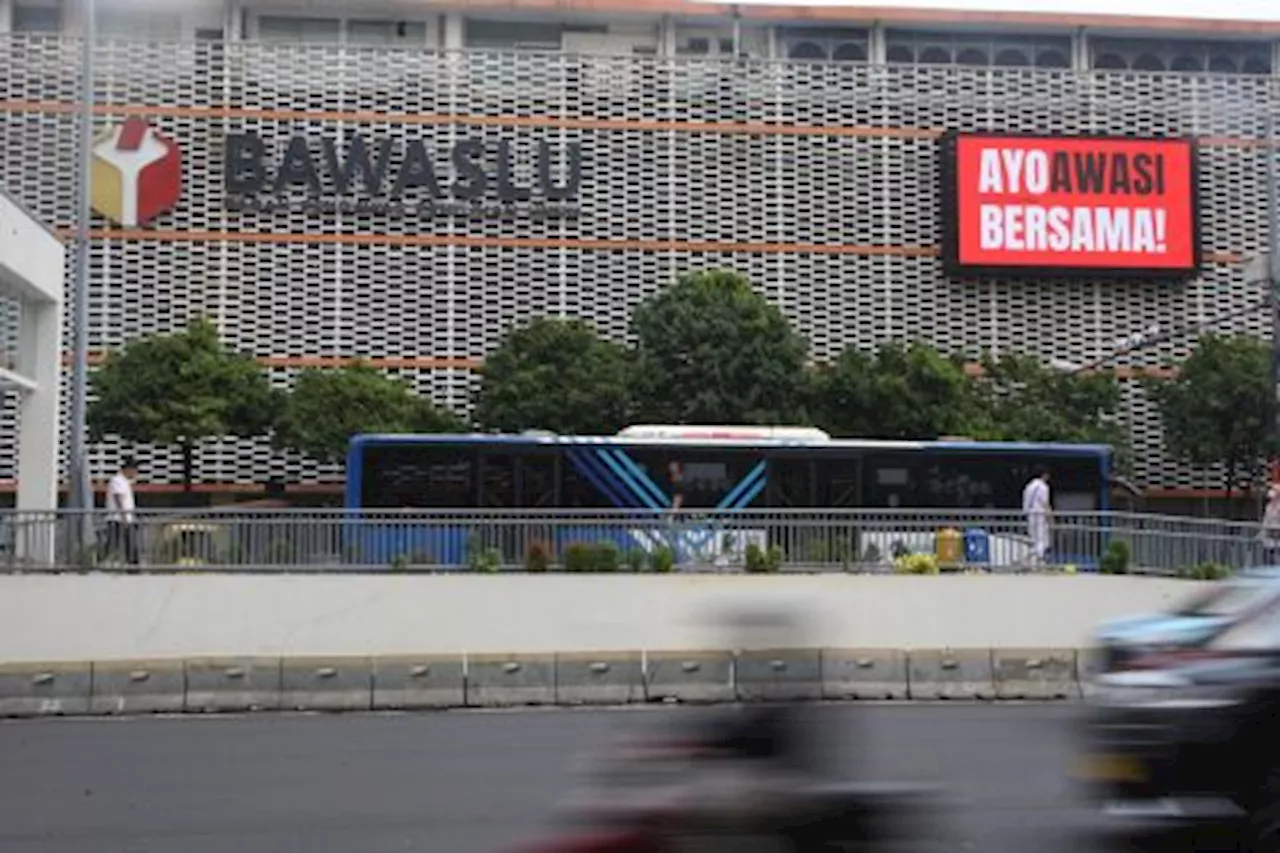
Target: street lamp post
81,491
1273,261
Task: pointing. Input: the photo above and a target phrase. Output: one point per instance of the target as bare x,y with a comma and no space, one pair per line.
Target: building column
455,31
233,21
39,359
6,16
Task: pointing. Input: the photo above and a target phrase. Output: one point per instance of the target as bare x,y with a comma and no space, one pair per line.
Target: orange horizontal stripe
460,363
756,128
570,243
320,361
557,122
464,241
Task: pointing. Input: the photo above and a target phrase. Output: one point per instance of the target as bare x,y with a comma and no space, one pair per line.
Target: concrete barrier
876,674
408,682
950,674
124,617
326,684
138,687
1035,673
697,676
411,682
604,679
233,684
781,675
45,689
502,680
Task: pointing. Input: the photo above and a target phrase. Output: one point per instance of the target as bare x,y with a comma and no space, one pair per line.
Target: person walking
1037,507
122,538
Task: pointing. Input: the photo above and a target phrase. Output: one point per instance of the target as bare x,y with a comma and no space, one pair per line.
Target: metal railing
590,540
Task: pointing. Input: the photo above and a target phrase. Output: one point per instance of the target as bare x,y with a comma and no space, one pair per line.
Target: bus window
790,483
537,481
707,478
417,476
497,480
579,488
838,483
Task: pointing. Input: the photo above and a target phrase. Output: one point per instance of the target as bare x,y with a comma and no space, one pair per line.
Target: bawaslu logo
137,174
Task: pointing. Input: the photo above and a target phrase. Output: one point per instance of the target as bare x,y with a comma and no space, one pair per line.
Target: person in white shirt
1036,506
122,536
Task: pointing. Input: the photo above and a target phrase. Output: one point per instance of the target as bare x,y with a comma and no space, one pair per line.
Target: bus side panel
410,544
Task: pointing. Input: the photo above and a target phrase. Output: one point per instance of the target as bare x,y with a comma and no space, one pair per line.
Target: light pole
81,491
1273,261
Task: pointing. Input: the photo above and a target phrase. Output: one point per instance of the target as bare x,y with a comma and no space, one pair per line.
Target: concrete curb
435,681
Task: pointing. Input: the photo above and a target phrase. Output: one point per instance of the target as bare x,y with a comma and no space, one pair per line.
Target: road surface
464,782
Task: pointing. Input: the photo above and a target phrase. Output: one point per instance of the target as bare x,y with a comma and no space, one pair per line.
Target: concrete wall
116,618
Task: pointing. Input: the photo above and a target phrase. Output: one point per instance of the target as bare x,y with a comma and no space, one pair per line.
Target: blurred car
1183,720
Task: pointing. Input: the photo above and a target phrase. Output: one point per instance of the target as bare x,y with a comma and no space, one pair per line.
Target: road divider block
216,685
950,674
45,689
508,680
326,684
1035,673
871,674
406,682
696,677
138,687
599,679
1089,665
780,675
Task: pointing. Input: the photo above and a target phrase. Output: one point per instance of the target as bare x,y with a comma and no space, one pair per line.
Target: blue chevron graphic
585,467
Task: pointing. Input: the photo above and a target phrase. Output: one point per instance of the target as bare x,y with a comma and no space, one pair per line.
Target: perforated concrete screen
819,181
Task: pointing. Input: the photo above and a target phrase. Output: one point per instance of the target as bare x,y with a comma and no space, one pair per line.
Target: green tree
179,389
710,349
1019,398
898,392
1218,411
556,375
327,407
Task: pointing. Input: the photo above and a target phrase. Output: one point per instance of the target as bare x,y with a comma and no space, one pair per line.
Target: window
122,24
976,480
825,43
497,480
1180,57
418,477
905,47
509,35
280,28
790,482
386,33
32,18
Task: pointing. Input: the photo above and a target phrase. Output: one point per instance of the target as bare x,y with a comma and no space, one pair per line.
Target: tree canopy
710,349
556,375
900,391
179,389
1219,408
1020,398
327,407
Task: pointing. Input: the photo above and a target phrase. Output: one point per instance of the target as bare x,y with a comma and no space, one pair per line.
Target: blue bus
719,470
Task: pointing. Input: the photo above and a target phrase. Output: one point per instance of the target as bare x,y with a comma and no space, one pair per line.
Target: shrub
634,561
487,561
537,558
662,559
761,561
916,564
1116,559
399,563
578,558
1206,572
605,557
872,554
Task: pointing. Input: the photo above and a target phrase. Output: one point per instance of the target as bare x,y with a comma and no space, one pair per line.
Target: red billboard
1069,204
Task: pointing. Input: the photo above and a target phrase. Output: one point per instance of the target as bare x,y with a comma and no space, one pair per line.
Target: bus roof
750,443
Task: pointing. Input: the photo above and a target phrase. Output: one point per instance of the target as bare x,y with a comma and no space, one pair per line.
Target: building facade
402,182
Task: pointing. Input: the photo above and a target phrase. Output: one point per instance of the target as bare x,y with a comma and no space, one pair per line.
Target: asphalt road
467,782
